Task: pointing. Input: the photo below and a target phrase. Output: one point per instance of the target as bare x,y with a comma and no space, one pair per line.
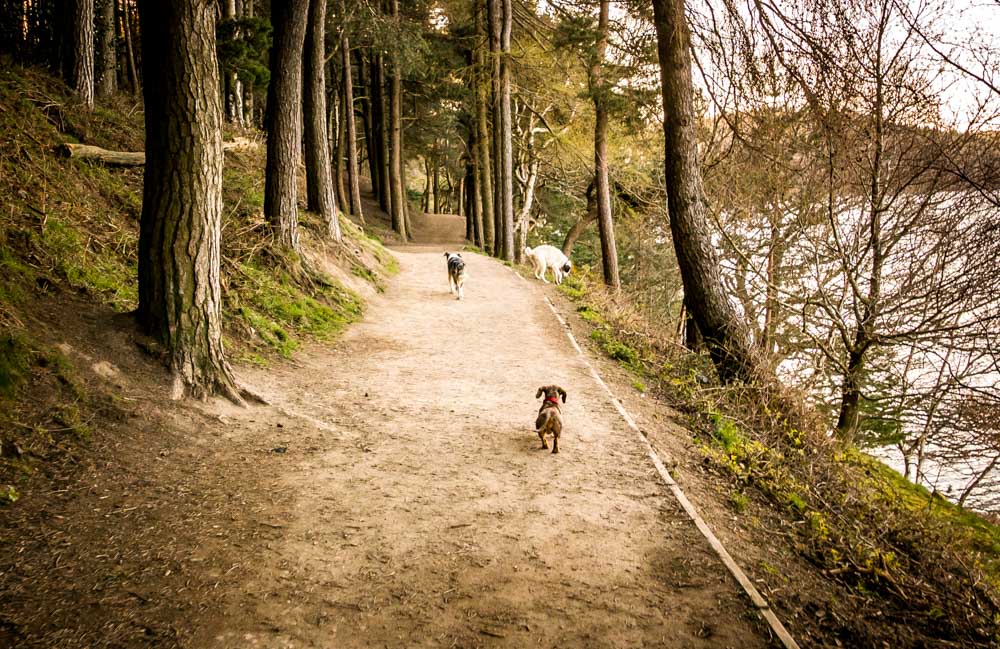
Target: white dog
544,257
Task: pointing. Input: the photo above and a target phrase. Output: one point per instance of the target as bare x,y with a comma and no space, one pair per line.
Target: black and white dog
456,273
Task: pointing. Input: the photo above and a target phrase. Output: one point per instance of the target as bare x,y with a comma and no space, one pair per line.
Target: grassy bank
887,544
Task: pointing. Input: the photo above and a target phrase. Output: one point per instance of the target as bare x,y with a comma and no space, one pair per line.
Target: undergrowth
69,235
858,520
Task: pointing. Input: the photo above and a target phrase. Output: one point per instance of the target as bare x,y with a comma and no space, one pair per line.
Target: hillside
391,492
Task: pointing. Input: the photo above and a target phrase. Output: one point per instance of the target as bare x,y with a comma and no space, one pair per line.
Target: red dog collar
554,400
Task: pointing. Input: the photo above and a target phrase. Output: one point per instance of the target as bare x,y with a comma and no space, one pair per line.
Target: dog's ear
540,392
563,393
446,254
458,254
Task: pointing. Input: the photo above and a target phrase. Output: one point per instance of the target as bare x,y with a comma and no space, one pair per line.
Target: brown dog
549,418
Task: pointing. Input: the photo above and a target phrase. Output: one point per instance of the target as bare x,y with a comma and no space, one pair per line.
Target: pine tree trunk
234,91
352,137
500,21
107,56
319,184
366,120
605,224
725,334
83,52
425,201
506,163
493,21
397,206
380,125
180,297
133,73
458,196
465,202
339,152
476,199
249,119
485,189
284,120
436,186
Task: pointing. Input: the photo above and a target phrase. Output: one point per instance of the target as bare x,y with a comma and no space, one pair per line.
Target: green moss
243,190
796,502
103,273
590,315
269,332
888,486
68,416
739,501
368,275
15,361
639,385
8,495
279,312
727,433
14,276
474,249
573,288
60,366
617,350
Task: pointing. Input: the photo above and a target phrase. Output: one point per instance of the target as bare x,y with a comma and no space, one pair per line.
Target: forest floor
392,493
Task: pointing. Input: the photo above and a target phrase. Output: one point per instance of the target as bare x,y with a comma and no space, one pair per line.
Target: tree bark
339,146
351,135
494,24
605,224
397,190
425,201
180,298
475,186
380,125
107,56
234,90
725,334
317,152
849,418
366,120
436,186
485,167
506,149
249,118
83,52
133,73
284,120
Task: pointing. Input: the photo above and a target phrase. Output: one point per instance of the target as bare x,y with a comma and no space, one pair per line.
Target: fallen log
88,152
132,158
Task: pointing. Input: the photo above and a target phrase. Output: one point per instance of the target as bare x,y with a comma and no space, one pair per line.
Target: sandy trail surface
425,512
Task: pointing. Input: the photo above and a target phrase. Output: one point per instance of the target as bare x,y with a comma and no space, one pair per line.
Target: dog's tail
527,250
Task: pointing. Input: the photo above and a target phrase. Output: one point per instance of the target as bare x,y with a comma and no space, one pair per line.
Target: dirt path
426,514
